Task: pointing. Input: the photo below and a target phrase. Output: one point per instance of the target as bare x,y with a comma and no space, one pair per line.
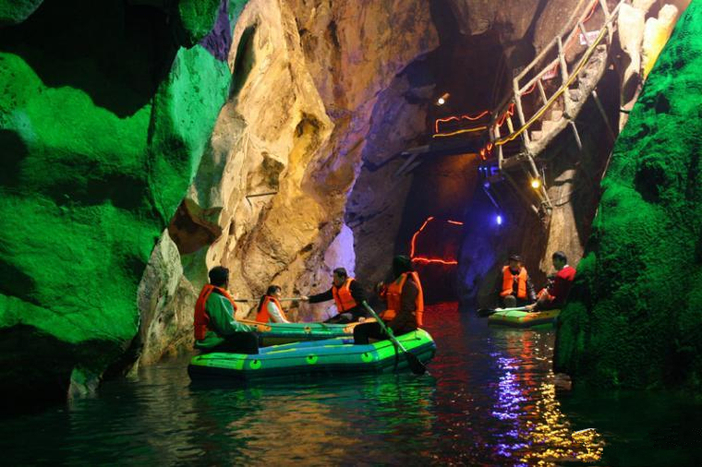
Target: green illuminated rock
16,11
103,120
635,316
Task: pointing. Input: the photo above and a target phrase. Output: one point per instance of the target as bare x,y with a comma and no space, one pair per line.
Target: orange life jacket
508,283
202,319
263,316
342,296
393,298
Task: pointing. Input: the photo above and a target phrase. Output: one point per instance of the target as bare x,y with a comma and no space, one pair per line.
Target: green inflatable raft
283,333
524,319
313,357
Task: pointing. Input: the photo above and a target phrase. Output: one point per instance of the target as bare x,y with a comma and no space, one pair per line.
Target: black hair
561,256
341,272
401,264
515,258
269,293
219,275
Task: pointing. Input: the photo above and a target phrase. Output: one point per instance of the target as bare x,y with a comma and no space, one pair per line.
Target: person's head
273,291
401,264
339,277
559,260
219,276
515,262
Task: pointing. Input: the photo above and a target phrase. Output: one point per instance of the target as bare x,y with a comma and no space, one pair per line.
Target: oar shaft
284,299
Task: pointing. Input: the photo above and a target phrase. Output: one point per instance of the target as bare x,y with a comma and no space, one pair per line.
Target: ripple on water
490,400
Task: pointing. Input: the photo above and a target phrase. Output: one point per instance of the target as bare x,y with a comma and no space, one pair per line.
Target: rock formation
634,316
105,110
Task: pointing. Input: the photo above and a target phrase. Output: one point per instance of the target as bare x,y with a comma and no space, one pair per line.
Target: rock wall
286,148
633,320
104,115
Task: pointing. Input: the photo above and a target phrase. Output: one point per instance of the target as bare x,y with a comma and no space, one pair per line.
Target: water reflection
490,400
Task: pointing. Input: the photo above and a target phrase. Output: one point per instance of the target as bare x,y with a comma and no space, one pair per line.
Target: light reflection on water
490,400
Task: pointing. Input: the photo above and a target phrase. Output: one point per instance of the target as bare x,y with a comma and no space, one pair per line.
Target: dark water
490,400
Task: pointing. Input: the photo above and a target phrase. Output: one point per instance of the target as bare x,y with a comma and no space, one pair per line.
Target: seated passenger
269,308
348,295
405,304
514,284
216,330
556,293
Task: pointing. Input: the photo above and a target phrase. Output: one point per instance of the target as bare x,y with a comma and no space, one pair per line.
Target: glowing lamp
536,183
498,219
441,101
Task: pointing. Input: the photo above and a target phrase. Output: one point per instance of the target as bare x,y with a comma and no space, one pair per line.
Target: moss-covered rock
16,11
103,120
635,317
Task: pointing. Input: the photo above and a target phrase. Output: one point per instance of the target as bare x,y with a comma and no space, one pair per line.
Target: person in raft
348,295
269,308
514,284
556,293
405,304
216,330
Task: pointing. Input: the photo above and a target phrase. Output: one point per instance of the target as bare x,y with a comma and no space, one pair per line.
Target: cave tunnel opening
470,76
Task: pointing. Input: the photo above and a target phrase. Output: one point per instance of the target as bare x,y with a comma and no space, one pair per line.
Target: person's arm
322,297
531,293
276,313
221,311
357,292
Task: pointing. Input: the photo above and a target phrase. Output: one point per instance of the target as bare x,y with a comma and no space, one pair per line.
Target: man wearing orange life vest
269,308
405,304
347,294
516,288
216,330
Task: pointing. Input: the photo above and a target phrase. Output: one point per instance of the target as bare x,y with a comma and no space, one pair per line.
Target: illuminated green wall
635,316
104,115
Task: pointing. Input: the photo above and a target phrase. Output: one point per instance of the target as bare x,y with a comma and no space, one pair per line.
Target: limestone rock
101,139
629,324
16,11
656,34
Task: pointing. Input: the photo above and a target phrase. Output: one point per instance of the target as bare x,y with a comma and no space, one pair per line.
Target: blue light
498,219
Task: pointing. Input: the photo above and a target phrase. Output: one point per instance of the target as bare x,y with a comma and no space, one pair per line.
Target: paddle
488,311
415,365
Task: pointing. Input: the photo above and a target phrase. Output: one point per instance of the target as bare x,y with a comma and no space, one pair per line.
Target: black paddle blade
415,365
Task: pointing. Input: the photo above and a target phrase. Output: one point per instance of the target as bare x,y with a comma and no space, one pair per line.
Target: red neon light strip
461,117
424,259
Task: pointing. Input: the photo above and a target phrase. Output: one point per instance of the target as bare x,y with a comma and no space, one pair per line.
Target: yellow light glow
536,183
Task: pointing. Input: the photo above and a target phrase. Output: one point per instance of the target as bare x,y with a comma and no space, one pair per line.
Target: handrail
546,49
565,85
517,92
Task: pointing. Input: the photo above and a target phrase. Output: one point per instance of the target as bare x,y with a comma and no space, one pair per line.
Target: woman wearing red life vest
405,304
269,308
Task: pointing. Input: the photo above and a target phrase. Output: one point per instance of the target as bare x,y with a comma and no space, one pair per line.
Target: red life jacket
263,316
508,282
342,296
202,319
393,298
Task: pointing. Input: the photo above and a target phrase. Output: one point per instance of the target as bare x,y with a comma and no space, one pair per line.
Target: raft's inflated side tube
303,358
523,319
283,333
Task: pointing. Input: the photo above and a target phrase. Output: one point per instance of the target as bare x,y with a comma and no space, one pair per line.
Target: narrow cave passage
419,183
